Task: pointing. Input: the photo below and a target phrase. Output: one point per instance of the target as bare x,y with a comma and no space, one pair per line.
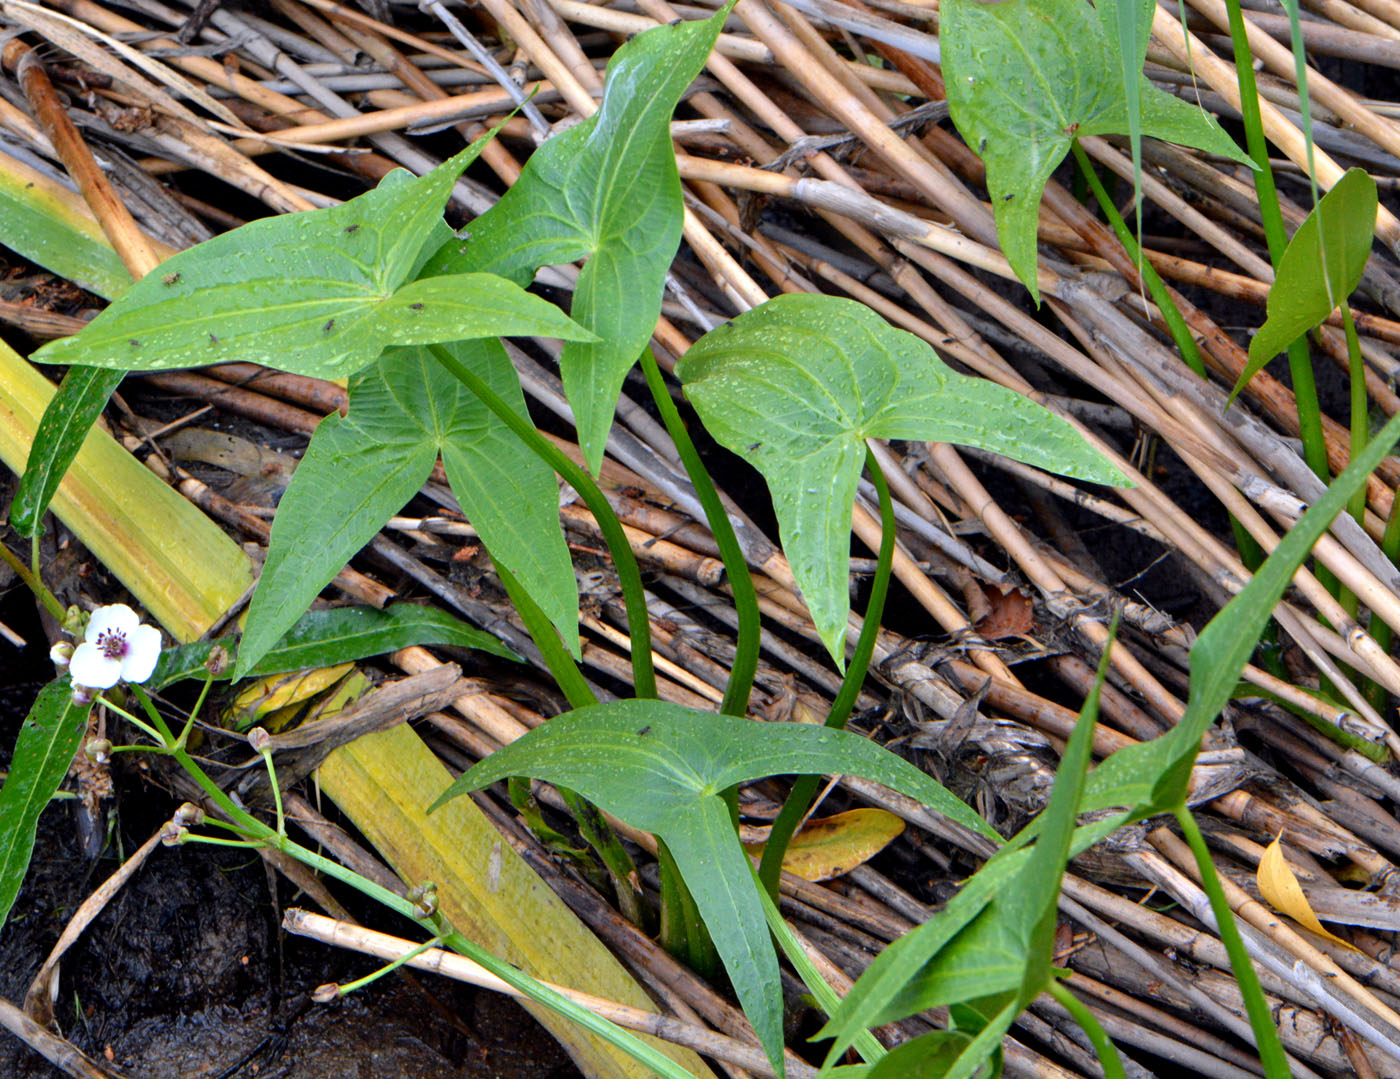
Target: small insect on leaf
134,343
213,340
351,228
330,323
644,730
170,279
415,307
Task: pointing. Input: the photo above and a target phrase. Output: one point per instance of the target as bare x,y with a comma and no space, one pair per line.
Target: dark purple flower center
113,644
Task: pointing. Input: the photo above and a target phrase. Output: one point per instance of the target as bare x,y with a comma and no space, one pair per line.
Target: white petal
142,651
89,667
116,618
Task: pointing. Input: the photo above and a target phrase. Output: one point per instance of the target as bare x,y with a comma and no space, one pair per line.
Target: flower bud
173,834
188,815
324,994
83,695
260,740
424,898
61,653
98,750
74,621
218,660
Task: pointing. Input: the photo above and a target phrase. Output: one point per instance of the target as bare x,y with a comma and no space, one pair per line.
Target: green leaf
1320,268
47,741
1032,904
928,1056
317,293
606,190
797,385
664,768
1153,777
1127,25
338,635
71,412
1024,78
362,468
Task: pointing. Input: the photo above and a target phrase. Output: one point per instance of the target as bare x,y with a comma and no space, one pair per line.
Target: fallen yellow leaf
268,694
831,846
1280,887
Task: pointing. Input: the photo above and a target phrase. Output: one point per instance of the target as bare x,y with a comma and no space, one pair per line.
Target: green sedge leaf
1154,777
71,412
797,385
49,737
337,635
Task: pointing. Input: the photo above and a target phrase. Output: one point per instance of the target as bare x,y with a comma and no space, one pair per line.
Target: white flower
116,648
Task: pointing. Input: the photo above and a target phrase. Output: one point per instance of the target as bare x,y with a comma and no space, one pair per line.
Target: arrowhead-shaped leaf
608,191
797,385
362,468
663,768
1320,268
317,293
1025,77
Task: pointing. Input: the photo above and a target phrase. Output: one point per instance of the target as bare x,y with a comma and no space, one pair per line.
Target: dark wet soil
186,974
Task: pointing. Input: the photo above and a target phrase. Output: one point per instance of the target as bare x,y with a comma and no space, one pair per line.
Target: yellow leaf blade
832,846
1279,885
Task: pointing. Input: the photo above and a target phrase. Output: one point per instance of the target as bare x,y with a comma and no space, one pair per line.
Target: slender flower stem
628,574
745,665
1260,1018
511,975
770,867
30,577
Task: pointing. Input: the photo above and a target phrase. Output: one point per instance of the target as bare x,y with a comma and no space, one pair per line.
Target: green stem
389,968
591,824
1181,333
1260,1018
826,997
1271,216
1104,1048
33,583
745,665
1360,405
628,574
770,867
562,667
683,930
511,975
1381,632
